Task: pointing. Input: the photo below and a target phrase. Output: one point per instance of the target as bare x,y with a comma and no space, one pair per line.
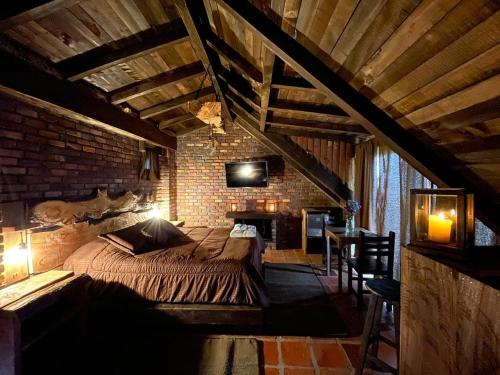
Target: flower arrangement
352,208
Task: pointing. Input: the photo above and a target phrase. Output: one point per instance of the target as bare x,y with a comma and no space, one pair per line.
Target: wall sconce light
17,262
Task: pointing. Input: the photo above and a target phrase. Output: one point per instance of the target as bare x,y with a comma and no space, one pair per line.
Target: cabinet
42,323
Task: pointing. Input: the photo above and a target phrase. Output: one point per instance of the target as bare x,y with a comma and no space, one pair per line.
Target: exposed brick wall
45,156
202,195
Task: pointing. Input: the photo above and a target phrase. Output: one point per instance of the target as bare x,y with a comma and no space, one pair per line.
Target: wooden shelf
251,215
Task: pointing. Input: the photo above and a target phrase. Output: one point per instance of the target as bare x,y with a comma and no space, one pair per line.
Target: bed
210,268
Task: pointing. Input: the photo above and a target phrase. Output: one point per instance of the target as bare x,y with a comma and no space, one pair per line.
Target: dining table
342,239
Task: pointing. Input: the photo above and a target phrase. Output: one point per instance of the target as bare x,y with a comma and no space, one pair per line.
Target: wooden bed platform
174,314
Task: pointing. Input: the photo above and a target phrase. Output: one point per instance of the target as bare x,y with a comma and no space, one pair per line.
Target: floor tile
299,371
296,353
270,349
330,355
271,371
352,351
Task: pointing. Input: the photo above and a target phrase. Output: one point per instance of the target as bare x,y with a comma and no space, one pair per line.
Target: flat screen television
247,174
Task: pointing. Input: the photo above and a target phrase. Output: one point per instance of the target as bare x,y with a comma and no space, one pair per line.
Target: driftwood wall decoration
58,212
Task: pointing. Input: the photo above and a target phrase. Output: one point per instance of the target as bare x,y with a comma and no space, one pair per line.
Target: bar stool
383,290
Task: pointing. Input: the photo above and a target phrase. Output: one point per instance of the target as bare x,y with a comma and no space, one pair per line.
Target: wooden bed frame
51,247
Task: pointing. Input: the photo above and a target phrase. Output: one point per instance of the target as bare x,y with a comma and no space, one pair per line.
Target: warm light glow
453,212
156,213
246,170
16,257
234,207
439,228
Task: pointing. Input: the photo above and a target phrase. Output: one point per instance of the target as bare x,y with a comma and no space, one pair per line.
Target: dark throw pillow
162,234
129,239
149,235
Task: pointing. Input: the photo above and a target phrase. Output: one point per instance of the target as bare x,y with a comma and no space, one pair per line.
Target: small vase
349,225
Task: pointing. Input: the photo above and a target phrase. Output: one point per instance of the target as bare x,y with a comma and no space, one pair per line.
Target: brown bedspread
212,268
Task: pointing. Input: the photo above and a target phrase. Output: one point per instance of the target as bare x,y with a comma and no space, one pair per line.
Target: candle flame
441,215
453,212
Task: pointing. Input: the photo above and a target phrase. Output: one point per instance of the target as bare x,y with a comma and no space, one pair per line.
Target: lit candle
439,228
272,207
234,207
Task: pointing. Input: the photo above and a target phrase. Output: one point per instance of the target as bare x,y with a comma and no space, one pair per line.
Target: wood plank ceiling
432,66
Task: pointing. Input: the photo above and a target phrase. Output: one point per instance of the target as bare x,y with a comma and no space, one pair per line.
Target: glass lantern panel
436,218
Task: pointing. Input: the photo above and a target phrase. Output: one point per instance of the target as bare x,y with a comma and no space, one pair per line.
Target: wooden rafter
292,83
161,80
320,126
195,125
175,120
428,161
126,49
328,182
175,103
311,134
240,87
308,109
265,91
195,19
46,91
243,66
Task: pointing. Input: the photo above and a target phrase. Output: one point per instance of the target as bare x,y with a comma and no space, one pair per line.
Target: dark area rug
299,304
174,354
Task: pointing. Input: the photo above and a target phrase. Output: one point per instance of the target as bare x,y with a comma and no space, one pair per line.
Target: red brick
10,134
13,170
56,143
8,161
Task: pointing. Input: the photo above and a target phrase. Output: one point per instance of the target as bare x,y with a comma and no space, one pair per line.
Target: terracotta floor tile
299,371
330,355
271,371
352,351
270,349
296,353
387,354
336,371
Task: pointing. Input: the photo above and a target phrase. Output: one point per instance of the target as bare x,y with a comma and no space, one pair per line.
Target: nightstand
42,322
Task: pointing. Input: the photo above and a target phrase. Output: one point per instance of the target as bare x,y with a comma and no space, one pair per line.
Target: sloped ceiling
432,66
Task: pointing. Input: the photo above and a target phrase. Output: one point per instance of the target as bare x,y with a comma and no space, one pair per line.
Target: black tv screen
247,174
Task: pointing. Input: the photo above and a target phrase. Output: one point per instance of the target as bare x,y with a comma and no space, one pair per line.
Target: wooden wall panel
450,323
333,155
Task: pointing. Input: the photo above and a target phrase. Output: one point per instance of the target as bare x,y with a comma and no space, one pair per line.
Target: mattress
210,268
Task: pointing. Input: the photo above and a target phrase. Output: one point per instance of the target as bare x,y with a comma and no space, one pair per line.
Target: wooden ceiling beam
46,91
176,102
431,163
311,134
265,91
239,103
195,19
240,87
234,58
175,120
306,165
319,126
308,109
137,45
162,80
292,83
198,124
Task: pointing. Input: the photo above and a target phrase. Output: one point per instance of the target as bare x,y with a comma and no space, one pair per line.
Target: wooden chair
373,250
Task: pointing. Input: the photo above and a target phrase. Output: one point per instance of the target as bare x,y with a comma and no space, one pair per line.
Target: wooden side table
38,314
